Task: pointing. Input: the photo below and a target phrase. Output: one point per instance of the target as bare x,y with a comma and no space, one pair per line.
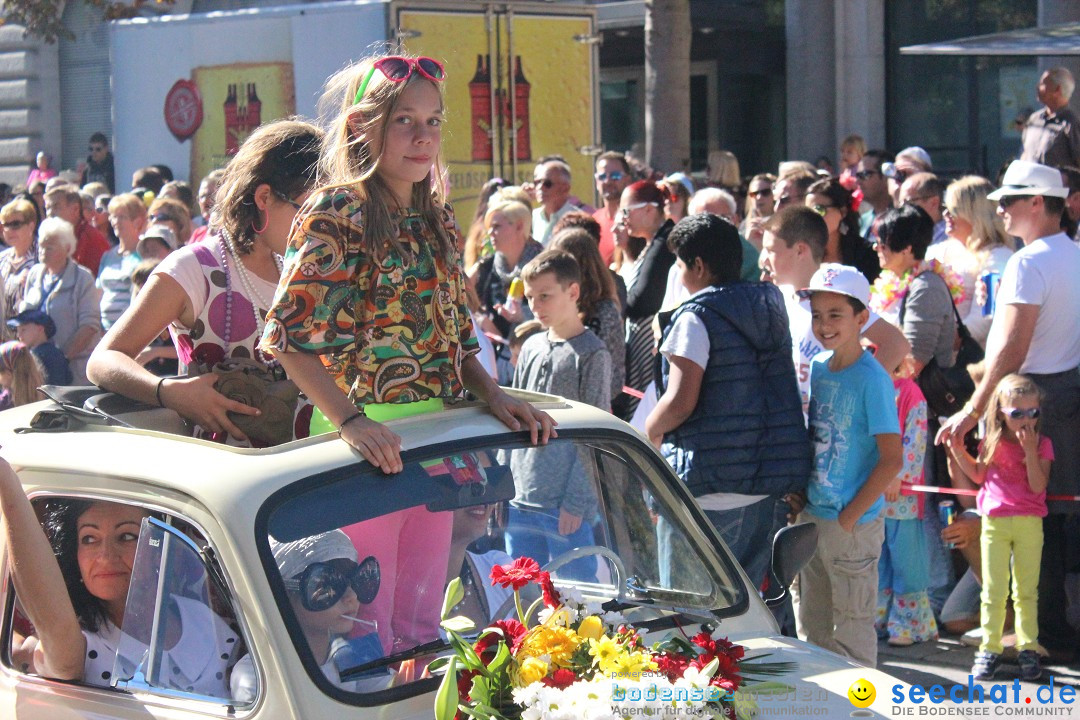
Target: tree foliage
42,18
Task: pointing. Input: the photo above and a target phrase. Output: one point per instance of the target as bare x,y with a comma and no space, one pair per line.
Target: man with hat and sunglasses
1036,331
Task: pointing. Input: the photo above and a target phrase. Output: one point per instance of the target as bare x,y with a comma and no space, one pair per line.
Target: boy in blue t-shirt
857,453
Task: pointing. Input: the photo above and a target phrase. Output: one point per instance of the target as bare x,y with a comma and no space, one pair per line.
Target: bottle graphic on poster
232,122
480,97
521,112
254,109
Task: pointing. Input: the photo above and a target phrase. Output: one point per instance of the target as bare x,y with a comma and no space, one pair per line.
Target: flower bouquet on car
574,660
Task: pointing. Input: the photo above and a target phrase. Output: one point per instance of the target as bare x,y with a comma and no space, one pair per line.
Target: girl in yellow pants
1012,470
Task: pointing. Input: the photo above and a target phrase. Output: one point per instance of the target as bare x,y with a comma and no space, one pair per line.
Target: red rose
551,595
561,679
517,574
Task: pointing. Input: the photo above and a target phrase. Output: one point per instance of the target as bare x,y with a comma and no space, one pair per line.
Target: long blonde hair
1012,385
26,373
347,159
966,199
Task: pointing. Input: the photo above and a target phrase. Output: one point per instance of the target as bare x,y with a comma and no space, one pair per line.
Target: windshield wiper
426,649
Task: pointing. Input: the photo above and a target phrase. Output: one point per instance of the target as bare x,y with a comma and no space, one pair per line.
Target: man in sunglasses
1036,331
875,188
99,164
612,177
551,183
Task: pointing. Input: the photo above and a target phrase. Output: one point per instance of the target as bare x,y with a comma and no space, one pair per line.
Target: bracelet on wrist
346,421
970,411
157,392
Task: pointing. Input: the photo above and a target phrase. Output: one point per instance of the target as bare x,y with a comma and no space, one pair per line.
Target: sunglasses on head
399,69
614,176
1017,413
323,583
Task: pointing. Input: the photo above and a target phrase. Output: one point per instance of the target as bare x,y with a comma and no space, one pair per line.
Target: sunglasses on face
546,184
1017,413
14,224
636,206
96,148
863,174
399,69
322,584
614,176
1007,201
766,192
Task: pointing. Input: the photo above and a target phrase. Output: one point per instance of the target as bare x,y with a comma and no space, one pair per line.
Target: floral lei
891,288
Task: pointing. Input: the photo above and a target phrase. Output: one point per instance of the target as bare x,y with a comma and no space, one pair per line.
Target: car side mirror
792,548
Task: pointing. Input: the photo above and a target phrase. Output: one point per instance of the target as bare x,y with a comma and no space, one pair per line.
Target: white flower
613,618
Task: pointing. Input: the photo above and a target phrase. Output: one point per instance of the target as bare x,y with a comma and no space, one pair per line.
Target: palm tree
667,84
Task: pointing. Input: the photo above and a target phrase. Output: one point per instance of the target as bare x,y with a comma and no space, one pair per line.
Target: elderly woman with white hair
64,290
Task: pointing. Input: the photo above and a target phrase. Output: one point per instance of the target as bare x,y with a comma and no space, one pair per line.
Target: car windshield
359,560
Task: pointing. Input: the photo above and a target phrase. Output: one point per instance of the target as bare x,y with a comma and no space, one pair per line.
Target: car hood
819,682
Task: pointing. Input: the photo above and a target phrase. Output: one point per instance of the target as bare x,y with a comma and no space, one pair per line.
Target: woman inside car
326,586
72,579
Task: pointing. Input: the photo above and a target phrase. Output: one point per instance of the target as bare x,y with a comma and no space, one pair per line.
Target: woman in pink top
1012,470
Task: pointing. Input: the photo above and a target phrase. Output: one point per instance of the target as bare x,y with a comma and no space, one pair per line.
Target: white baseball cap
840,279
1029,178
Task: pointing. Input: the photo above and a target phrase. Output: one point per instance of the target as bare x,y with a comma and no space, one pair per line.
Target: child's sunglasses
322,584
399,69
1017,413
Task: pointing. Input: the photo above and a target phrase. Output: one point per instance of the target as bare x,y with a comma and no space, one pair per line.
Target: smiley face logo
861,693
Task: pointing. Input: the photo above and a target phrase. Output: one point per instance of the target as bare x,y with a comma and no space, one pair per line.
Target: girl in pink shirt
1012,470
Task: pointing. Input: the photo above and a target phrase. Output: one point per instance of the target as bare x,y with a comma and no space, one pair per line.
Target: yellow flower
558,643
633,664
591,628
604,650
532,670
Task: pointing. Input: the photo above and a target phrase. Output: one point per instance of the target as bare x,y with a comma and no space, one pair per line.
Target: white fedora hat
1028,178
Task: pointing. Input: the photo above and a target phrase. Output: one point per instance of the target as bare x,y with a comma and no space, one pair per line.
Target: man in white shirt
794,246
1036,331
551,183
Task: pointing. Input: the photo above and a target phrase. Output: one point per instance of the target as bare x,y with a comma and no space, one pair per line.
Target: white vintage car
218,517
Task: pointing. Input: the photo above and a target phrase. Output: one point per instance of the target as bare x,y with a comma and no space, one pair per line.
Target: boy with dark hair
35,329
555,502
729,419
857,453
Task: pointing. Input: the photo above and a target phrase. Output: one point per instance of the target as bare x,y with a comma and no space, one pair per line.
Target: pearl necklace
228,249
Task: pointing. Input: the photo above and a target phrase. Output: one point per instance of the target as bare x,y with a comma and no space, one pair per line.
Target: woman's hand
514,412
379,445
197,400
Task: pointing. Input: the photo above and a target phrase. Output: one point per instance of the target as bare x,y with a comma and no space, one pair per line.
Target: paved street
948,661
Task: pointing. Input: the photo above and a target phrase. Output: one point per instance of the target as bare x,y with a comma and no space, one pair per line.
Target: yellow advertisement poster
236,100
531,97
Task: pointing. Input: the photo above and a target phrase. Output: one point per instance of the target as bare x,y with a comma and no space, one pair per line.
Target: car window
179,635
359,560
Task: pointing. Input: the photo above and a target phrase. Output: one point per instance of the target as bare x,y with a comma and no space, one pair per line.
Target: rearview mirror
792,548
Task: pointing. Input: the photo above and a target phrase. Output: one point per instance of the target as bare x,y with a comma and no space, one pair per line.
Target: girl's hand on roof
379,445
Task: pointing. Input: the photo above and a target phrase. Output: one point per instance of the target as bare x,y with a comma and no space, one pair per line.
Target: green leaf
458,624
453,595
502,657
532,609
465,652
446,699
481,690
438,663
710,669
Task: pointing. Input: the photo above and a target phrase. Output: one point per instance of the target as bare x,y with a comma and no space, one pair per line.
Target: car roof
221,476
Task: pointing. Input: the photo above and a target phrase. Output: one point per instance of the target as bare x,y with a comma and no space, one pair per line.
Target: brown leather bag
255,384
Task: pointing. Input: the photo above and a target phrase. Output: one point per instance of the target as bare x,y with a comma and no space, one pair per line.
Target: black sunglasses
863,174
1017,413
322,583
14,224
545,183
1008,200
